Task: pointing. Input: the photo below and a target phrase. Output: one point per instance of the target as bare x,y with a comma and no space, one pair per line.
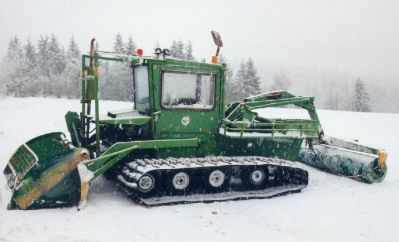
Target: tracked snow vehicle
180,143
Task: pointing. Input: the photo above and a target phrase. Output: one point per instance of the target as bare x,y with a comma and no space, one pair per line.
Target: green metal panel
207,145
281,147
219,144
170,120
42,173
121,149
131,117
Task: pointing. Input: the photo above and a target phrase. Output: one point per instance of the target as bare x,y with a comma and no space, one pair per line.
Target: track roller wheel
181,180
217,179
255,177
146,183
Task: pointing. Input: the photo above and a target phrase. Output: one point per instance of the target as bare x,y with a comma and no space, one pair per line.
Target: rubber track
281,176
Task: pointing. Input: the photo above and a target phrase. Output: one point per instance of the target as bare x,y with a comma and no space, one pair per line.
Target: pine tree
30,70
177,49
116,78
237,87
280,82
51,64
251,80
71,76
30,53
73,51
43,54
116,81
14,51
229,82
360,98
14,67
189,51
119,46
57,66
180,50
173,48
130,48
56,55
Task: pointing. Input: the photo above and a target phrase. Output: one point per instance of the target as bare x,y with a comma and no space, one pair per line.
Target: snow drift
332,208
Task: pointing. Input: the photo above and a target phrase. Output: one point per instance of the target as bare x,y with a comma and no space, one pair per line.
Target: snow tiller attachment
179,143
347,159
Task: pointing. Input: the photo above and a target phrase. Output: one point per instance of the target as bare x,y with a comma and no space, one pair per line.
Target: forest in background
45,68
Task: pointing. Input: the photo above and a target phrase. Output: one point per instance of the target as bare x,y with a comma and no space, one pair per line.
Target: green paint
51,180
119,150
131,117
345,163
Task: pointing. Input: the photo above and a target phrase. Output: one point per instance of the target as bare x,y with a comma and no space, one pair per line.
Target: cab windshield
141,92
188,90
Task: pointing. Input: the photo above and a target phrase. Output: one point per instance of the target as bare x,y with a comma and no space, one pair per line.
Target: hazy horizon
355,37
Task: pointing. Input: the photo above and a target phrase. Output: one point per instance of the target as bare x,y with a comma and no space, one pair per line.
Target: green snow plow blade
347,159
43,173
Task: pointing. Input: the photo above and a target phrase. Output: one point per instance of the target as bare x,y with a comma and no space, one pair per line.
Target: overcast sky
349,35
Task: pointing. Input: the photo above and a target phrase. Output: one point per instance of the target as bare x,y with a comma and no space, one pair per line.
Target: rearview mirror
217,39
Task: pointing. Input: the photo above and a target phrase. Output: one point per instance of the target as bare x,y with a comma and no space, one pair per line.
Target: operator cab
182,97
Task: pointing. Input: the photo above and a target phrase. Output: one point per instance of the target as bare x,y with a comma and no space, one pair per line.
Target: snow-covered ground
331,208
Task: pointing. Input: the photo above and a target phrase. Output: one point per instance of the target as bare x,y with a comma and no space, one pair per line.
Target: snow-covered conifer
251,80
360,98
130,47
177,49
119,46
188,51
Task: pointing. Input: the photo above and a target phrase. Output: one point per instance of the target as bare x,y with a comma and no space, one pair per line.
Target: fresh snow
331,208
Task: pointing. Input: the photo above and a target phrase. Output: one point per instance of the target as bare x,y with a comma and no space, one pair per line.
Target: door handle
156,115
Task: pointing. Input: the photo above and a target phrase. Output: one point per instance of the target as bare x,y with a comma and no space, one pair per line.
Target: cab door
185,99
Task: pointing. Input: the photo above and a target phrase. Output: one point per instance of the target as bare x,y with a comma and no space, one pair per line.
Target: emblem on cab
185,120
